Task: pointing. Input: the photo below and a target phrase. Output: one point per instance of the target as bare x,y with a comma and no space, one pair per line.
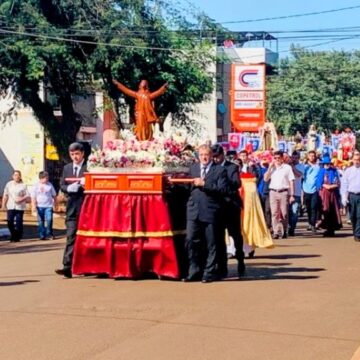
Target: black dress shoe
284,236
64,272
251,254
357,238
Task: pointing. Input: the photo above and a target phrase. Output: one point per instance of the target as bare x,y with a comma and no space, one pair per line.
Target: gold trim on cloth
130,234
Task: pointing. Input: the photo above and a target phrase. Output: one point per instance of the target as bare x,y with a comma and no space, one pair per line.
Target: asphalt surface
300,300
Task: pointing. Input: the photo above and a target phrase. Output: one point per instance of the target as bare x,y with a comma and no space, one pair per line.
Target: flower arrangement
162,154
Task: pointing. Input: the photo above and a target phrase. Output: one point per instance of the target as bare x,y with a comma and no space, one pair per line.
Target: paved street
300,301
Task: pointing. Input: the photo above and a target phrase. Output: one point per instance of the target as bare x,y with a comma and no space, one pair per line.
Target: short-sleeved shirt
351,180
15,190
298,180
281,177
311,174
44,194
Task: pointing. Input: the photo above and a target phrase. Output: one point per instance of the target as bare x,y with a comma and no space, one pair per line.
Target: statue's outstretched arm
124,89
158,92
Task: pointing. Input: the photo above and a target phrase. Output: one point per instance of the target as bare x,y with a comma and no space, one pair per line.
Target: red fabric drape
125,235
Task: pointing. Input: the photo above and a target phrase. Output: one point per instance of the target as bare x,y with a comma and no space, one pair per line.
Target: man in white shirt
281,187
351,194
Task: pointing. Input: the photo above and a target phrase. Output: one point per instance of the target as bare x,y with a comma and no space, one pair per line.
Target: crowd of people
236,204
261,201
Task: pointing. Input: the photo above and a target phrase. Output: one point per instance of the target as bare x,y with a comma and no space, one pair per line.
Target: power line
49,37
57,38
291,16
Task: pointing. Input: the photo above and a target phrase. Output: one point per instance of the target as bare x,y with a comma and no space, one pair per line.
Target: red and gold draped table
125,228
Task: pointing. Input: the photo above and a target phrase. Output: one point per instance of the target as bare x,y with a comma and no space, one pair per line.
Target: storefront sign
247,97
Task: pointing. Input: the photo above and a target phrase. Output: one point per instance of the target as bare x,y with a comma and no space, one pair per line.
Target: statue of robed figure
145,115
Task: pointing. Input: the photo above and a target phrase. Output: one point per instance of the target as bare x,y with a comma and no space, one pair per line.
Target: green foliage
64,44
321,88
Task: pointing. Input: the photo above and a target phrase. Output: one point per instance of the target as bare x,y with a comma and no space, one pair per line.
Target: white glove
73,188
82,181
344,202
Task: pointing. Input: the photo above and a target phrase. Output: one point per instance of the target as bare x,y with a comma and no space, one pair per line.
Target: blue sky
237,10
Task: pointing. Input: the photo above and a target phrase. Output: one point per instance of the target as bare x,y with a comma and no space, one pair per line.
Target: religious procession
177,184
224,200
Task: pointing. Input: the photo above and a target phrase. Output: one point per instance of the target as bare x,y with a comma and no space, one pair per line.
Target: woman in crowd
14,200
253,226
328,185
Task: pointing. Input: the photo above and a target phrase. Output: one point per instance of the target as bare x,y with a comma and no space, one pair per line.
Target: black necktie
75,171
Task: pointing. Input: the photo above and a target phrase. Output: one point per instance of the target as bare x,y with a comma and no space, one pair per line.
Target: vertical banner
247,97
290,147
335,140
235,141
254,141
327,150
282,146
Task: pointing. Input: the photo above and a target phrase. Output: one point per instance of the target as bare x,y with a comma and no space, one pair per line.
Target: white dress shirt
281,177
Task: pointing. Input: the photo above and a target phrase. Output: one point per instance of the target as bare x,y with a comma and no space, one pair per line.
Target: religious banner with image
282,146
335,140
254,141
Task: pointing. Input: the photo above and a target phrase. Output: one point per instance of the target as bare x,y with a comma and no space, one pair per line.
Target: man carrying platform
230,216
75,193
203,211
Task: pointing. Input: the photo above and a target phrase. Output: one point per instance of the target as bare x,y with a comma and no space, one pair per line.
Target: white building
23,143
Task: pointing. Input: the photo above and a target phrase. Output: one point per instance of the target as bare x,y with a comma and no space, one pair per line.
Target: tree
72,46
321,88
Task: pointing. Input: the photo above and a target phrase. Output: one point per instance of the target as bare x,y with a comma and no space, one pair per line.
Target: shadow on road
14,283
287,256
267,271
6,249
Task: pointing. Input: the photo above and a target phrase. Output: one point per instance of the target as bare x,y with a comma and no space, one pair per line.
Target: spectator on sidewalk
43,197
14,201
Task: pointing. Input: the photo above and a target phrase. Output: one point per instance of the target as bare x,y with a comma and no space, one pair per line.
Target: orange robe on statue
145,114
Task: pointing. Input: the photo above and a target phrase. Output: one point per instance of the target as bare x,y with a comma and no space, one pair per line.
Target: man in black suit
209,186
230,214
75,196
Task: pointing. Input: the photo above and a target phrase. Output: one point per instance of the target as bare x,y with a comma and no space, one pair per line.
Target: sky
223,11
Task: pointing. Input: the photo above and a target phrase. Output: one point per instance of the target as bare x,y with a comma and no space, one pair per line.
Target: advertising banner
247,97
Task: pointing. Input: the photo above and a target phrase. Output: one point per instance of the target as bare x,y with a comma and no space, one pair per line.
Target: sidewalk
300,301
30,225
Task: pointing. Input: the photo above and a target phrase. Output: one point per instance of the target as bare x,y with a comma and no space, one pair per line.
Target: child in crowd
43,197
